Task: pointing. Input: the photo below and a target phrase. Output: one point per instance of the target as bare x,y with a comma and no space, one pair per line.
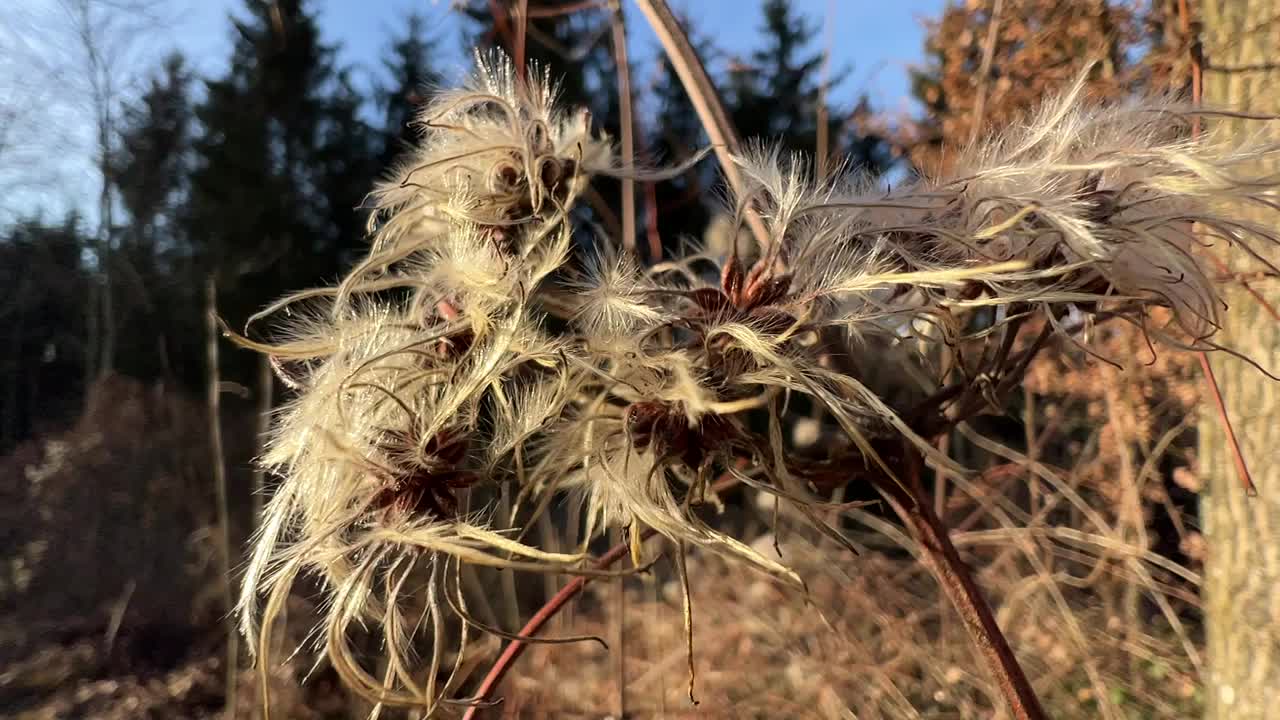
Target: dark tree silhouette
409,65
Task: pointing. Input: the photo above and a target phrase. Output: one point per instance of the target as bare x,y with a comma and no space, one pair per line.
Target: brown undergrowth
874,637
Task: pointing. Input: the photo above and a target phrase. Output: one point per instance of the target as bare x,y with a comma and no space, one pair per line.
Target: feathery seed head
429,374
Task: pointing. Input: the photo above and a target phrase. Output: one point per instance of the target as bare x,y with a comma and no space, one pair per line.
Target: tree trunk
106,230
1242,573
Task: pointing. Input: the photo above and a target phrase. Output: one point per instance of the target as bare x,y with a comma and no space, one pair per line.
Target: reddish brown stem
1197,72
939,554
501,24
628,156
565,9
515,648
1244,279
521,17
957,582
651,223
912,504
1237,454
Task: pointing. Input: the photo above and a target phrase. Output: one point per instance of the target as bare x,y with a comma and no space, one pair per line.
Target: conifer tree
152,163
409,65
775,94
151,171
283,162
42,324
345,162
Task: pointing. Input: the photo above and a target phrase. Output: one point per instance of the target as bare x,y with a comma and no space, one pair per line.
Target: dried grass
875,638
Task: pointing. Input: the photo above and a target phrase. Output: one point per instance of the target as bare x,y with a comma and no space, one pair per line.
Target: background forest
128,428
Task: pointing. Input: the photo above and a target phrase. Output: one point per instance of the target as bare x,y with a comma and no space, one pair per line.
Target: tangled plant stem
940,556
516,648
650,379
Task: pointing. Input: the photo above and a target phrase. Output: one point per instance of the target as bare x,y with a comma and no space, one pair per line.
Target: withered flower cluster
471,349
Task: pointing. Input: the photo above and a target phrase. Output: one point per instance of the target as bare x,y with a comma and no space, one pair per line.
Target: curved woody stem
515,648
706,101
914,507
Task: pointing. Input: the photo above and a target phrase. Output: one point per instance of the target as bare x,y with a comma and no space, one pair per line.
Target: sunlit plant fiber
478,346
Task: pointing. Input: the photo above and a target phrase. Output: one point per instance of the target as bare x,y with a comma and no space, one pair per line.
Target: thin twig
619,621
628,131
117,616
266,385
1197,62
516,648
1244,279
521,17
984,72
1237,454
823,141
1197,89
501,24
562,10
220,490
706,101
651,222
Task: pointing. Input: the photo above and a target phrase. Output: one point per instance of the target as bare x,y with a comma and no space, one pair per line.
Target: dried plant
429,343
472,353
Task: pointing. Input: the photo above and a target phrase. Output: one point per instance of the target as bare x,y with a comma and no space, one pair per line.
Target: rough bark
1242,574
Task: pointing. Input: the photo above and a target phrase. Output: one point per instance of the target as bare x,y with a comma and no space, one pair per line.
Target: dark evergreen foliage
776,93
42,325
411,78
258,175
282,163
154,270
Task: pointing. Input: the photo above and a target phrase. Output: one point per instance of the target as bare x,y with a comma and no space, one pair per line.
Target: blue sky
877,41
